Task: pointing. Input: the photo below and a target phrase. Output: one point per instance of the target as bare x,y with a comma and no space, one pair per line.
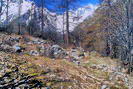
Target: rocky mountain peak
29,11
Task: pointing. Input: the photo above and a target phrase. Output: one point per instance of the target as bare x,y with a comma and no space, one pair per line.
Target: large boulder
56,51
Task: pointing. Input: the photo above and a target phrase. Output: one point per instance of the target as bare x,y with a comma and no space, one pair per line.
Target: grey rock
34,53
56,51
94,66
41,49
104,87
77,54
39,41
103,67
16,47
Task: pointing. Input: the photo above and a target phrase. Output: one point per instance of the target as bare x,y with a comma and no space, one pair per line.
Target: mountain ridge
28,8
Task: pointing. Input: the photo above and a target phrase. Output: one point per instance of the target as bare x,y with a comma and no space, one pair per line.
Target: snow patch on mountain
13,9
76,17
29,10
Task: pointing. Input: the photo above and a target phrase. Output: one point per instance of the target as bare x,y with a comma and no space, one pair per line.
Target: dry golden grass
86,77
62,72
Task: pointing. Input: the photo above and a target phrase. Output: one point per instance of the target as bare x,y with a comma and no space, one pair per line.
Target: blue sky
53,6
84,2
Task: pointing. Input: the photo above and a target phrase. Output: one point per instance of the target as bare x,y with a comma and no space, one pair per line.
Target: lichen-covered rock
56,51
41,49
39,41
34,53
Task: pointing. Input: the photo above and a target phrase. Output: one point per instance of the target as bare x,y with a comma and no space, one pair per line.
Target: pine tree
19,16
66,4
129,7
1,6
42,12
7,12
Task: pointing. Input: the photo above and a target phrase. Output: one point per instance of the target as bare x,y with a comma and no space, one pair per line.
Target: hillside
31,70
106,32
66,44
30,15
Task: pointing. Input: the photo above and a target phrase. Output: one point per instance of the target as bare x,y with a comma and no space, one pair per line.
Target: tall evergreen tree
129,11
7,12
42,12
1,6
19,15
66,5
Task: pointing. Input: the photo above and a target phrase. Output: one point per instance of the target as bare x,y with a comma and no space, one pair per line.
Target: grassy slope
58,73
62,73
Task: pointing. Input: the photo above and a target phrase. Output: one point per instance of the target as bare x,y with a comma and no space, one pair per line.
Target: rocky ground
32,63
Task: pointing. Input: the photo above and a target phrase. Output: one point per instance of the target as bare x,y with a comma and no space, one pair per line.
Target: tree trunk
7,14
67,23
19,15
42,1
63,32
1,2
130,32
7,10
